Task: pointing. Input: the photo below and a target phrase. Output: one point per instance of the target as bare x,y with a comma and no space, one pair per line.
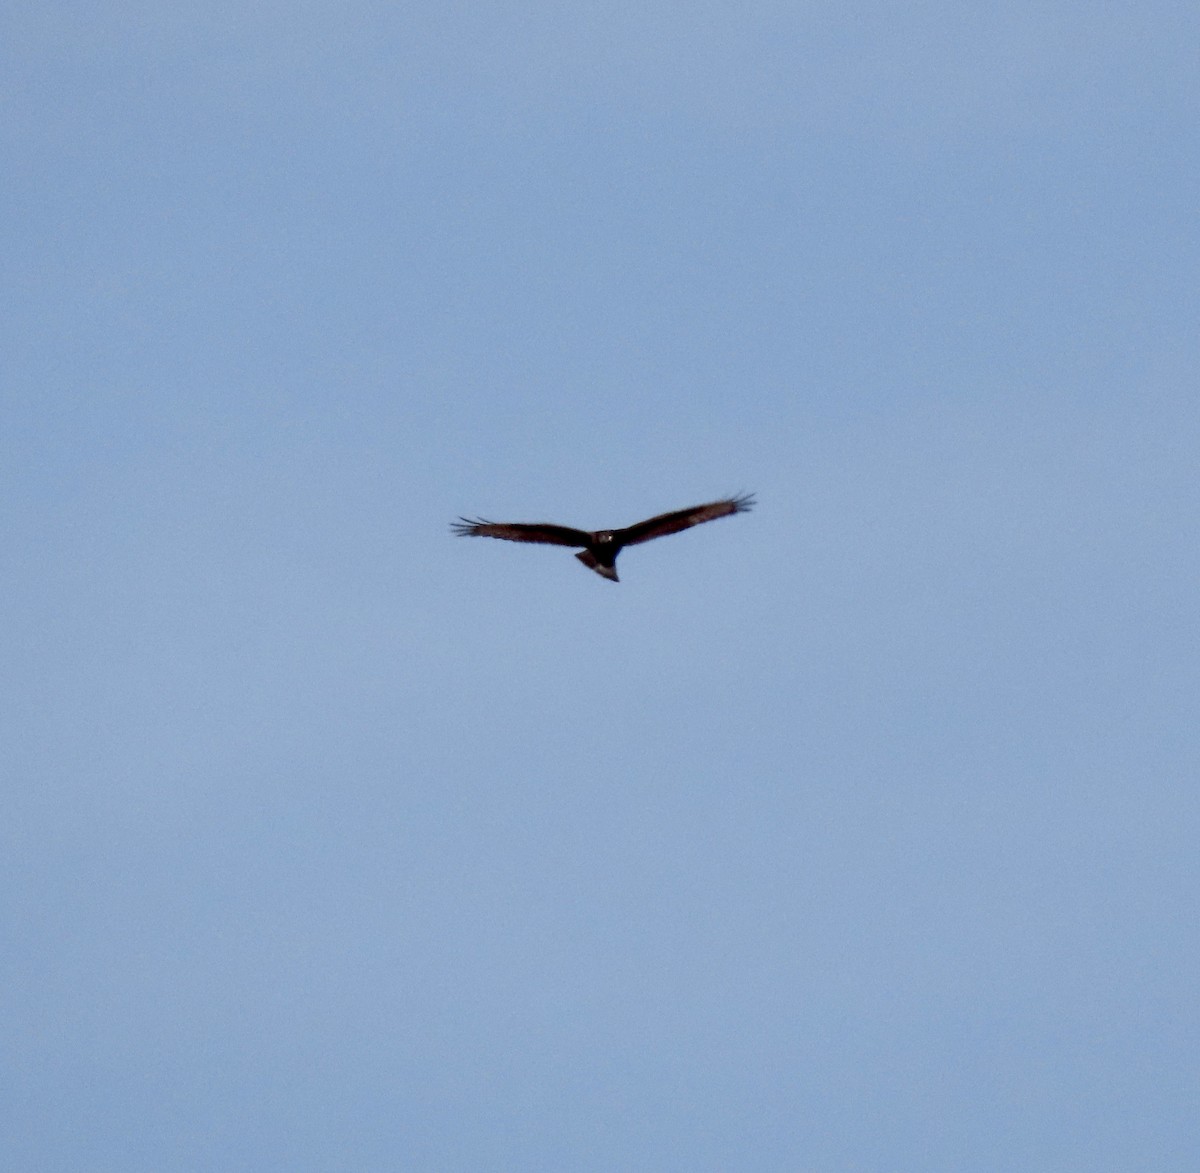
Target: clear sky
858,833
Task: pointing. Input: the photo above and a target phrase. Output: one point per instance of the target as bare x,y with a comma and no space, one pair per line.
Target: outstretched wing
511,531
672,523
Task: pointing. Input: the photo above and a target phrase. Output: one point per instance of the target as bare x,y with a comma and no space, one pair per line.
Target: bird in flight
601,547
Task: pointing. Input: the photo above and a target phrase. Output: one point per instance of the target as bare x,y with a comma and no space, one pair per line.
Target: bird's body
601,554
601,547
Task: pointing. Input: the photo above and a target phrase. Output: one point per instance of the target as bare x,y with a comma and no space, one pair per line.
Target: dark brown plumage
601,547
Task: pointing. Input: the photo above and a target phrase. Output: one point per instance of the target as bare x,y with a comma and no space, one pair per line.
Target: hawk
601,547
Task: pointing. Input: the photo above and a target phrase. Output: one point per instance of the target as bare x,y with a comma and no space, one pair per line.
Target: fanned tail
590,561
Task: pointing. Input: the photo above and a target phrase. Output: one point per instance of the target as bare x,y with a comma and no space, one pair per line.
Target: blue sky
858,833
